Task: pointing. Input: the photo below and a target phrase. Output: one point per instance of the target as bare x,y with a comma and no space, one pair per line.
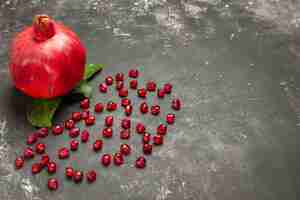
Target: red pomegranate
47,59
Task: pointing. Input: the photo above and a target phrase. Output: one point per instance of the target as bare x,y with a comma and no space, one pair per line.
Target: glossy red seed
106,160
128,110
147,148
123,92
77,176
42,132
63,153
160,93
45,160
111,106
31,139
36,168
125,102
176,104
155,110
109,80
19,163
118,159
57,130
84,136
53,184
97,145
151,86
85,103
119,76
125,134
140,128
51,167
91,176
140,162
170,118
76,116
99,107
69,172
161,129
133,84
40,148
107,132
133,73
28,153
119,85
70,123
142,92
125,149
167,88
146,138
85,114
74,132
126,123
90,120
102,87
144,107
158,139
74,145
109,120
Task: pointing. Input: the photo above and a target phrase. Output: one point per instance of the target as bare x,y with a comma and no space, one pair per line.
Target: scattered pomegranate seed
109,80
144,107
128,110
151,86
45,160
126,123
125,134
69,172
84,136
176,104
70,123
74,145
31,139
170,118
63,153
123,92
40,148
140,162
155,110
77,176
147,149
85,114
53,184
91,176
109,120
57,130
97,146
142,92
51,167
19,163
36,168
118,159
168,88
102,87
42,132
158,139
119,85
140,128
28,153
161,129
107,132
133,73
160,93
146,138
106,160
99,107
119,76
125,102
74,132
76,116
125,149
111,106
85,103
133,84
90,120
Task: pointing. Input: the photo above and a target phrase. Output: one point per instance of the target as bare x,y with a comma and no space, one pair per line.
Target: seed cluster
78,138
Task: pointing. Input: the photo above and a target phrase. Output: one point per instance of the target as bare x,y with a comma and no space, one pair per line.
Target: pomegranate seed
160,93
40,148
170,118
57,130
31,139
111,106
53,184
102,87
109,80
155,110
168,88
125,102
161,129
36,168
140,128
151,86
140,162
106,160
147,149
146,138
158,139
128,110
118,159
28,153
107,132
85,114
74,132
19,163
51,167
63,153
142,92
85,103
74,145
176,104
42,132
133,84
69,124
109,120
125,134
91,176
90,120
69,172
76,116
77,176
45,160
85,136
99,107
119,76
133,73
125,149
144,107
126,123
97,146
119,85
123,92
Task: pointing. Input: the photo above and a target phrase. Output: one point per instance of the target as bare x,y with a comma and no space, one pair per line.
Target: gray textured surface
235,69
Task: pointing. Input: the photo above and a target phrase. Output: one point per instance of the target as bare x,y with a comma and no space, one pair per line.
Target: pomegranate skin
54,63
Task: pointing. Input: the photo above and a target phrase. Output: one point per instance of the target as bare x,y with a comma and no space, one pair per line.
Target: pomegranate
85,114
128,110
69,172
28,153
125,102
151,86
45,160
147,149
119,85
90,120
57,130
99,107
109,120
133,84
170,118
32,138
133,73
123,92
118,159
74,132
158,139
53,184
107,132
97,146
103,87
119,76
125,134
19,163
69,124
125,149
63,153
126,123
140,162
85,103
176,104
144,107
140,128
91,176
40,148
109,80
146,138
42,132
77,176
51,167
111,106
76,116
142,92
106,160
160,93
84,136
36,168
155,110
161,129
74,145
168,88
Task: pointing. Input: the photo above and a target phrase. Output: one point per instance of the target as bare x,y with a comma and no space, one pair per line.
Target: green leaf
41,112
83,88
91,70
